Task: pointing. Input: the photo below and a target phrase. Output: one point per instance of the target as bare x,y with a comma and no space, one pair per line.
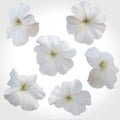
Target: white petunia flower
22,25
86,24
104,71
54,55
70,97
24,91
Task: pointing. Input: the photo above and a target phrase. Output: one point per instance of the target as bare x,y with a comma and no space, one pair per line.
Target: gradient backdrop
51,14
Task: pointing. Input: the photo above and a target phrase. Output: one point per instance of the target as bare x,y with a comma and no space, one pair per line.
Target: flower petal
36,91
97,29
12,95
83,98
96,79
56,97
76,87
74,108
63,65
81,10
69,53
28,20
22,10
49,68
110,79
93,57
73,25
32,30
19,36
13,82
66,88
27,102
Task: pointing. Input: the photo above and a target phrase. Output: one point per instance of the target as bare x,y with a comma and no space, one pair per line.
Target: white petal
32,30
28,20
66,88
63,65
12,95
81,10
96,79
27,102
112,67
43,41
84,36
57,91
97,29
93,57
86,7
74,108
49,68
97,15
83,98
36,91
76,87
69,53
13,82
19,36
12,14
56,97
110,79
22,10
73,25
54,42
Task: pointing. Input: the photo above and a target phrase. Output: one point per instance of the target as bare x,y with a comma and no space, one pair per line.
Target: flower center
23,87
53,54
18,21
102,65
68,98
86,21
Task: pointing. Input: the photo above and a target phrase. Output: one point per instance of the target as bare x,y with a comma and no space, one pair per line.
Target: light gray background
51,14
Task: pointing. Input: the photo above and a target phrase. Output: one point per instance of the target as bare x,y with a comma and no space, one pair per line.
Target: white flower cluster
55,56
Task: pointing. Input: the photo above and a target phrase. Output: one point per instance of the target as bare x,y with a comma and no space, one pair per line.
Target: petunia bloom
24,91
104,71
54,55
87,23
70,97
22,25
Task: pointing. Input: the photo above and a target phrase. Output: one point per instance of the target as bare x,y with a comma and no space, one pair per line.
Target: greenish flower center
86,21
18,21
102,65
53,54
68,98
23,87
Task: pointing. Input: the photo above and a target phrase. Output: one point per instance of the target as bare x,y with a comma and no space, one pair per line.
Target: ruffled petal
66,88
93,57
36,91
96,79
73,25
76,87
28,20
27,102
63,65
83,98
22,10
81,10
68,53
32,30
13,82
49,68
110,79
12,95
